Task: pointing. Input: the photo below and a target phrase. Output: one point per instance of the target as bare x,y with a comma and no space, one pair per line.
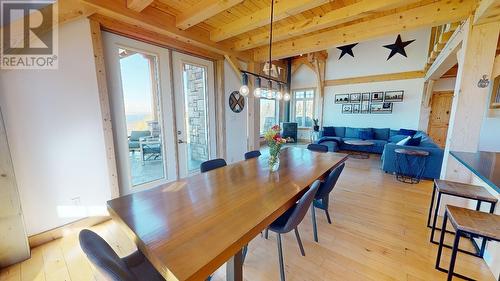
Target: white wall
370,58
404,114
54,127
236,123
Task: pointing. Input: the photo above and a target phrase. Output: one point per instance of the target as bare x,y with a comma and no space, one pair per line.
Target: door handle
180,141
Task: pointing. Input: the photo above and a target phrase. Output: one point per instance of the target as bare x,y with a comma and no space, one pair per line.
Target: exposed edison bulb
244,90
279,95
286,96
257,92
269,94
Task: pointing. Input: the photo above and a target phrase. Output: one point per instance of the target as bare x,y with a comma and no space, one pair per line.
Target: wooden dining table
190,227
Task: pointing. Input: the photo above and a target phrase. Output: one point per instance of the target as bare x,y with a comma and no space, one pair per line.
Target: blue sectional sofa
385,141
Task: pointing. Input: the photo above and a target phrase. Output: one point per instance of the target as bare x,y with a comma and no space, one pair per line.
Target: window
268,114
303,107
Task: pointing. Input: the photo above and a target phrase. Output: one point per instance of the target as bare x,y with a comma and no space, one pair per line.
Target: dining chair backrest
330,182
102,255
300,209
252,154
212,164
317,147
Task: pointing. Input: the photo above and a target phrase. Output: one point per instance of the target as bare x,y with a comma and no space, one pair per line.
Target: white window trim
294,100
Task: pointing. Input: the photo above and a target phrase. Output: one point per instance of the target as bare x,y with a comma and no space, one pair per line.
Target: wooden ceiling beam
488,11
282,9
145,35
138,5
338,16
436,13
203,10
157,21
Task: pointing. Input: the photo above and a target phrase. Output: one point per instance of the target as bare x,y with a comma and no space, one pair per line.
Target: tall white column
470,102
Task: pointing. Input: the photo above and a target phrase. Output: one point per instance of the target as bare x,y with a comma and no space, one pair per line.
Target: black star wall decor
347,49
398,47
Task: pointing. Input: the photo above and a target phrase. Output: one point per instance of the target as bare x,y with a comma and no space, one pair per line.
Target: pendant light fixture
279,93
269,68
269,94
270,65
286,95
258,90
244,90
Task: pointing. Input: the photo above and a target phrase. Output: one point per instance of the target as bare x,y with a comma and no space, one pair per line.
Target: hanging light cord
271,38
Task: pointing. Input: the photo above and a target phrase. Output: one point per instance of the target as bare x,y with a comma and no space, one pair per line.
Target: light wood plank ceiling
240,28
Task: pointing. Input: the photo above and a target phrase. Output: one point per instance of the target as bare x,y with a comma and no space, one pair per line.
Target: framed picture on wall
355,98
381,108
347,108
342,98
356,108
365,97
377,97
393,96
365,107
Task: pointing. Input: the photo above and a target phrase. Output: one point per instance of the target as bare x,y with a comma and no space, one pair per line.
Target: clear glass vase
274,162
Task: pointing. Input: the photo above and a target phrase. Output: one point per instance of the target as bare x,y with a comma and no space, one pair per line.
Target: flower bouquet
275,142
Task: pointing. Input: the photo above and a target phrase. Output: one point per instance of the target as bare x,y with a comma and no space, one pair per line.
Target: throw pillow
366,135
414,141
407,132
404,141
328,131
352,133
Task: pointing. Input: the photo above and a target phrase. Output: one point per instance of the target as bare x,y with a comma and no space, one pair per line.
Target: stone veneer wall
197,112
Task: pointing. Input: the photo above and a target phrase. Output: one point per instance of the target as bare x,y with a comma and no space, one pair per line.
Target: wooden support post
220,98
319,69
253,121
470,102
102,85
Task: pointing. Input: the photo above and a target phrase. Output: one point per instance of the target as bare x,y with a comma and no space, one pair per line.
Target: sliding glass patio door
140,93
194,92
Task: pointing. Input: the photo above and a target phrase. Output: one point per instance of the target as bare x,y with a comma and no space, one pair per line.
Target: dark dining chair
252,154
290,220
134,267
317,147
212,164
321,199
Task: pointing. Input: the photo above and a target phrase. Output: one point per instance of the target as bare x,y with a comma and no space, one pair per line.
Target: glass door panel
195,111
142,116
194,83
140,94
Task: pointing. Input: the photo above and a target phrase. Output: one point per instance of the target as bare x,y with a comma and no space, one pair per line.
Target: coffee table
359,154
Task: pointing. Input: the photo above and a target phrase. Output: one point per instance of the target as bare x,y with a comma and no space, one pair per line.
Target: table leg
432,205
234,267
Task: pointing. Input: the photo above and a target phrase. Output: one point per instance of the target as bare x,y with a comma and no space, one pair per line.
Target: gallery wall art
377,102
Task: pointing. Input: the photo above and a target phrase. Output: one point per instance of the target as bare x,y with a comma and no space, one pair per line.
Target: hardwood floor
378,233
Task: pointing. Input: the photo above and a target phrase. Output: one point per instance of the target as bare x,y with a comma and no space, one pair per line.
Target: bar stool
461,190
470,223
